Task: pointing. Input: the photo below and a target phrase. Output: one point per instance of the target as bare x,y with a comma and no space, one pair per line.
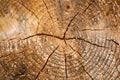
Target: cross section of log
59,39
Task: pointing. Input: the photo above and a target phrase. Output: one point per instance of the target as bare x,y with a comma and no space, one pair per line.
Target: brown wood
59,39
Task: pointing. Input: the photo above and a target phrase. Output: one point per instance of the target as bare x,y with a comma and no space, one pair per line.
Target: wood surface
59,39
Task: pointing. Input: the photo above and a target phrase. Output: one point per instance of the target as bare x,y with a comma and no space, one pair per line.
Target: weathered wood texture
59,39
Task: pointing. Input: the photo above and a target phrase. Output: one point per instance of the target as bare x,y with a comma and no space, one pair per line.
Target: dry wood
59,39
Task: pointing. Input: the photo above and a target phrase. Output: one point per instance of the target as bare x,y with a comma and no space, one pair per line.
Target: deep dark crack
84,46
66,67
113,41
57,37
70,22
46,63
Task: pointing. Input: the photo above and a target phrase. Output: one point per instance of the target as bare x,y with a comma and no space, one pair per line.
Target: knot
67,5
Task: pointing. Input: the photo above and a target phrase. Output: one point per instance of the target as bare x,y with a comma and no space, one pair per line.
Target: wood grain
59,40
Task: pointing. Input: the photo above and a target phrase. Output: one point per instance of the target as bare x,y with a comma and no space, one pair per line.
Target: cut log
59,40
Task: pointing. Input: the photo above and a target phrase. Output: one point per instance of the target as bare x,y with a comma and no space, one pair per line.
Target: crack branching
71,38
69,26
46,63
74,18
61,38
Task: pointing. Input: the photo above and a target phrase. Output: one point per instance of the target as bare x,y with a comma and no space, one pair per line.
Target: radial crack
77,52
69,26
32,13
66,74
70,38
48,11
87,73
88,5
43,34
114,41
87,42
46,63
9,54
74,18
92,30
